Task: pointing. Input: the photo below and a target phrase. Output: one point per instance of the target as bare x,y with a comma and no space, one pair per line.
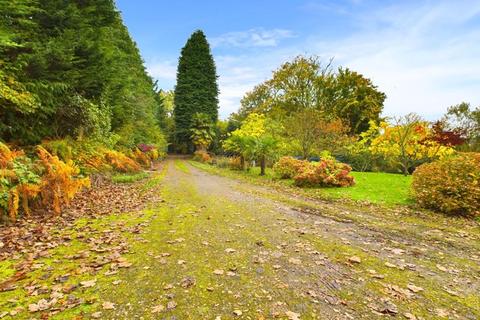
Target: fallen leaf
218,272
230,250
295,261
414,288
410,316
108,305
442,313
398,251
33,307
390,265
157,309
355,259
441,268
171,305
97,315
125,264
187,282
89,283
292,315
237,312
453,293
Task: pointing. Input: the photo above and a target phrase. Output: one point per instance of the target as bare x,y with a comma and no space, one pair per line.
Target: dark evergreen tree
70,68
196,90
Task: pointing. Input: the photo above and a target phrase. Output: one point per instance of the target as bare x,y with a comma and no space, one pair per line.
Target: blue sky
425,55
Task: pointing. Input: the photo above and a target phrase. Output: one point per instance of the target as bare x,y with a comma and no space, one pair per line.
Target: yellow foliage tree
407,142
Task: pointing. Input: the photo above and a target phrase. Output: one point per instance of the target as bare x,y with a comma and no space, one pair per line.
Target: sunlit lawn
376,187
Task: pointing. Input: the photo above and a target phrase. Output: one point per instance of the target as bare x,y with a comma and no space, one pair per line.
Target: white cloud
163,71
257,37
424,58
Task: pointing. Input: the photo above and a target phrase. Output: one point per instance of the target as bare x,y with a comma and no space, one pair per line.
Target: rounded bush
288,167
326,173
450,185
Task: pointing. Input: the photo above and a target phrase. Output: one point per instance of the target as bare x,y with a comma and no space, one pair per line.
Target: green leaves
254,140
70,68
202,132
305,83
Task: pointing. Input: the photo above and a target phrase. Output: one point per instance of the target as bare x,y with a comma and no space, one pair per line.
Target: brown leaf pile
32,237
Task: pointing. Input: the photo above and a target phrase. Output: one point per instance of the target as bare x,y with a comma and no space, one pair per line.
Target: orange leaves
55,181
59,181
121,162
324,173
17,181
13,204
7,155
141,157
202,156
288,167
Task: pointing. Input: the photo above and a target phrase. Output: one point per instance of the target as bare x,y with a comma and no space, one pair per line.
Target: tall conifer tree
196,90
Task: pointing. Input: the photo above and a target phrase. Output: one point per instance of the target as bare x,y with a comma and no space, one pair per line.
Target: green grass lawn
129,177
375,187
378,187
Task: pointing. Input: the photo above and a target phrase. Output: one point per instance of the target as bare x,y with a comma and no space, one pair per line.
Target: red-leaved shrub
450,185
288,167
326,173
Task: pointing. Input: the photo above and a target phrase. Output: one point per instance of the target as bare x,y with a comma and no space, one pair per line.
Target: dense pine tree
196,90
70,68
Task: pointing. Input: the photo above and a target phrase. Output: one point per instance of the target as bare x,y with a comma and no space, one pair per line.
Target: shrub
18,182
59,181
61,148
288,167
326,173
222,162
120,162
141,157
202,156
450,185
235,163
151,151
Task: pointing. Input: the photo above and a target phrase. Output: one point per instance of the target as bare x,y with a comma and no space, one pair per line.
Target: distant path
219,248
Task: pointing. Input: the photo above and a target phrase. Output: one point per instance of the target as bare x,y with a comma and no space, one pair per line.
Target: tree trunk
242,162
405,168
262,165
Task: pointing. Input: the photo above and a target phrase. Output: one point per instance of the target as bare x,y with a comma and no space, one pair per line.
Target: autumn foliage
18,183
60,181
50,179
55,182
450,185
202,156
326,173
120,162
288,167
